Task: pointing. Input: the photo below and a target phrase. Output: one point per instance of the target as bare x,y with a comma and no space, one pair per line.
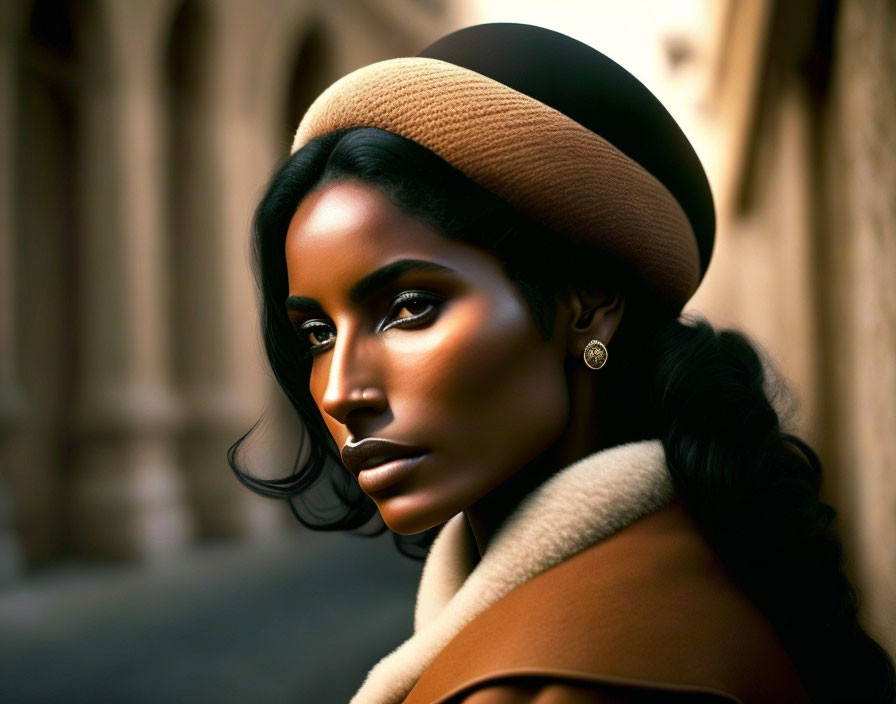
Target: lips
372,452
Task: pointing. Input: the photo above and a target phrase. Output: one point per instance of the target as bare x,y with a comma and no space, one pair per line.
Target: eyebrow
370,283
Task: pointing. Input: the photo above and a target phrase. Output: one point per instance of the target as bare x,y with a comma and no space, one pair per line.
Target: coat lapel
650,607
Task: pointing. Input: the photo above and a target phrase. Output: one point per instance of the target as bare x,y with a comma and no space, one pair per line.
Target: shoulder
540,690
650,606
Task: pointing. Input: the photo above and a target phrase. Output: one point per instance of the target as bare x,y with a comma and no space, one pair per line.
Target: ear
592,315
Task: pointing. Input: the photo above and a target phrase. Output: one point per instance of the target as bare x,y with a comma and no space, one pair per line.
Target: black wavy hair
712,396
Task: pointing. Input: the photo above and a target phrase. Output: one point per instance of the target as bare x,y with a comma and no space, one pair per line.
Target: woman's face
447,355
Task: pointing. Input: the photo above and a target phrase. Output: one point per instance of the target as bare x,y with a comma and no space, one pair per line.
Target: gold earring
595,354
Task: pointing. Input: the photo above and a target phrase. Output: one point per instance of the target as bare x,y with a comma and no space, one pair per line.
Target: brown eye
315,334
413,306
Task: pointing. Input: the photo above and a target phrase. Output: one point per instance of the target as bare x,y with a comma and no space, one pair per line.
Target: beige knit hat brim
548,166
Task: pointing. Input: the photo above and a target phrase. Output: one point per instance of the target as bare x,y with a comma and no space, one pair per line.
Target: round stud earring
595,354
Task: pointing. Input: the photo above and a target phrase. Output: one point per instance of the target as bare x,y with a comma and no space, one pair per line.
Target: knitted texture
587,501
548,166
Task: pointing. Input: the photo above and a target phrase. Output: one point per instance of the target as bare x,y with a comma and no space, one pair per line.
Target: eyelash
398,303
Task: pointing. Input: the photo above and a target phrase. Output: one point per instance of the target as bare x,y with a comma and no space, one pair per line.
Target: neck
583,436
486,515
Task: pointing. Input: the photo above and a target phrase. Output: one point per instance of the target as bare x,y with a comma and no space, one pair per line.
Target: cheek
317,384
492,386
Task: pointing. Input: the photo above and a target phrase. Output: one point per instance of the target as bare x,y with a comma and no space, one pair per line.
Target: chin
407,516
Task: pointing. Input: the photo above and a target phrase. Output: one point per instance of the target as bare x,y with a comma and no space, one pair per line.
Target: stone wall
856,198
806,250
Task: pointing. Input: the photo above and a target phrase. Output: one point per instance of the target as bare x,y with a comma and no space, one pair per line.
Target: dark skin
458,368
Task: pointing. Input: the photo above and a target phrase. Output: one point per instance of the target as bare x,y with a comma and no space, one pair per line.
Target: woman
451,253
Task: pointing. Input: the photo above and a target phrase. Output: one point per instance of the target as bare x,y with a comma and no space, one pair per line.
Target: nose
352,383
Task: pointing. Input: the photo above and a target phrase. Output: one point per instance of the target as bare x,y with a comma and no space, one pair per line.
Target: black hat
554,127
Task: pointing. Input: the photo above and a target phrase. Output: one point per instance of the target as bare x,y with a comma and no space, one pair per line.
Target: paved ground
300,620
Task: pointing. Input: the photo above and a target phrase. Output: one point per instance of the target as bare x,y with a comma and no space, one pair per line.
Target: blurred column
11,397
125,493
859,204
217,165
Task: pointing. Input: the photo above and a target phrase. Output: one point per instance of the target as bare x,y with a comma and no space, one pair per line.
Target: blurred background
136,138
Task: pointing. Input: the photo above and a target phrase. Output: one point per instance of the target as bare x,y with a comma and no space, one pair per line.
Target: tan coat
649,610
598,588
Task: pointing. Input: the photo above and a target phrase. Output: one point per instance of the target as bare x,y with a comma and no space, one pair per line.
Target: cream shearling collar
585,502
